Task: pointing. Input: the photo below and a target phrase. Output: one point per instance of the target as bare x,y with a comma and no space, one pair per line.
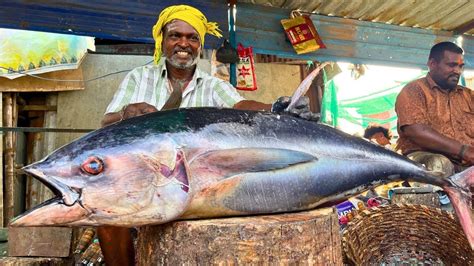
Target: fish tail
461,198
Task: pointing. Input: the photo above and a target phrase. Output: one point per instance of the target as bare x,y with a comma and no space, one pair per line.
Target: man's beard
446,84
175,62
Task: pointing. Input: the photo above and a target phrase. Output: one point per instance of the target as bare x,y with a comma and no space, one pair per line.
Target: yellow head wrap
188,14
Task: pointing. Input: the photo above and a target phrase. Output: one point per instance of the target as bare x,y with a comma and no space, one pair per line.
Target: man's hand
301,108
468,155
128,111
136,109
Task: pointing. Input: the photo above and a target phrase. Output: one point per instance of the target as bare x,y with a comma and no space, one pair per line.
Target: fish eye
93,165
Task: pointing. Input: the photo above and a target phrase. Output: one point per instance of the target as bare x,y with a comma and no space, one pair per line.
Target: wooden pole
2,175
9,120
42,144
47,241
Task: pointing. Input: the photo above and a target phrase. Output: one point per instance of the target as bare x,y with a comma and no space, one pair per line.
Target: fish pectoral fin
232,161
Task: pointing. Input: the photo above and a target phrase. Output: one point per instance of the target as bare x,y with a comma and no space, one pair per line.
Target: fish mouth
69,196
63,209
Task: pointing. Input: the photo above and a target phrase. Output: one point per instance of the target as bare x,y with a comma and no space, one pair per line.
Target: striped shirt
150,84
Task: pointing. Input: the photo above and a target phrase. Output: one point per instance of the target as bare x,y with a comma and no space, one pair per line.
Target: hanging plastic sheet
30,52
352,104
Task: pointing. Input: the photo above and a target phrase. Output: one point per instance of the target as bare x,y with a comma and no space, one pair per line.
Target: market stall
66,104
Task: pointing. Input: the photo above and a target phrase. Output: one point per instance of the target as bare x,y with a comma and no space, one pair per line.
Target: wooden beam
464,27
123,20
347,40
125,49
39,242
38,108
64,80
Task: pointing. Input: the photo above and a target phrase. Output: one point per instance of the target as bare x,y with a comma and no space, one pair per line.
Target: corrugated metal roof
113,19
354,41
428,14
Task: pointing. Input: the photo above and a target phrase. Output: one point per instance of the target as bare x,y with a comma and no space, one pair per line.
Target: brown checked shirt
451,113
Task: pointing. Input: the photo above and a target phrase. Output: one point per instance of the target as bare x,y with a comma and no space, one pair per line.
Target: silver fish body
208,162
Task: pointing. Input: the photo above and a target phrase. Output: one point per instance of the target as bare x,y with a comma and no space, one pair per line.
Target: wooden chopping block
39,241
310,237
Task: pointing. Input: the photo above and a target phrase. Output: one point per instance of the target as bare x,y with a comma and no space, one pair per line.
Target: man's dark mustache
456,76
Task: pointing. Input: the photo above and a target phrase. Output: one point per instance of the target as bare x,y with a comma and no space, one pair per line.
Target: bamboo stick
1,167
9,120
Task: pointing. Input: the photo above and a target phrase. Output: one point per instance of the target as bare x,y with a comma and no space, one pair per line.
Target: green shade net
359,111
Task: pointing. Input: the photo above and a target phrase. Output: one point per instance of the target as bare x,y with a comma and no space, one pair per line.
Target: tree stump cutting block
310,237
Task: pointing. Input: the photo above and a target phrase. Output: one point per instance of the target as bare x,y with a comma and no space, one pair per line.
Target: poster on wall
30,52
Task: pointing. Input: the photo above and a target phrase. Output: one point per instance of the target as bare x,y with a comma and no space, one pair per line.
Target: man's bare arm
135,109
117,245
110,118
429,139
131,110
252,105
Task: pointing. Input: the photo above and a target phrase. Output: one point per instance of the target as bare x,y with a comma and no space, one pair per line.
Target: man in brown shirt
436,115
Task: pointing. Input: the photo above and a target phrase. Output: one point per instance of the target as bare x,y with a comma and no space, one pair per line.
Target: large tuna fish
207,162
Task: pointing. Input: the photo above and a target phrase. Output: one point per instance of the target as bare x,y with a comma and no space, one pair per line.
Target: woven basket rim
375,234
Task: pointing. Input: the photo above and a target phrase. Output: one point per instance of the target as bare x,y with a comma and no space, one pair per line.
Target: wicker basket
402,233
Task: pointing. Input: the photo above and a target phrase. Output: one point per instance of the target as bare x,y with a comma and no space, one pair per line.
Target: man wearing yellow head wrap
188,14
175,80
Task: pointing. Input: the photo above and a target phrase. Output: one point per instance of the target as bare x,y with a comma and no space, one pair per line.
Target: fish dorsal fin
229,162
